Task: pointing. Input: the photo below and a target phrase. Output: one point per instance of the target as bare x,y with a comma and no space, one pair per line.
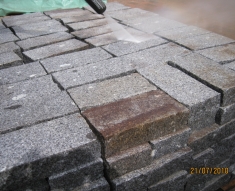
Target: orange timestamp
209,170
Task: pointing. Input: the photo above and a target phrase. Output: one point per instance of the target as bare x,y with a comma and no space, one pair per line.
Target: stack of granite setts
81,110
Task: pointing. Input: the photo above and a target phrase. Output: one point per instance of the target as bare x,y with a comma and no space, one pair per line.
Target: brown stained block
134,121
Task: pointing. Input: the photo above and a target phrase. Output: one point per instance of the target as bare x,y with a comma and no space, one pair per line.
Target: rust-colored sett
137,120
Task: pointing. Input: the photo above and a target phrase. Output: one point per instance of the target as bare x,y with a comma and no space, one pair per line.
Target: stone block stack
82,110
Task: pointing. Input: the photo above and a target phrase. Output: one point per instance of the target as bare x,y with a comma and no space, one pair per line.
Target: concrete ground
83,109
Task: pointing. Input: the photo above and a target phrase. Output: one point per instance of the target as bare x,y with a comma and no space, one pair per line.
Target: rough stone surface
101,40
43,40
42,150
129,160
91,32
32,101
54,49
231,65
182,32
20,73
134,121
9,59
224,149
222,54
205,41
9,47
158,170
7,36
62,13
99,185
170,143
124,47
211,74
115,6
225,114
202,101
87,24
127,14
204,138
152,24
81,18
202,159
24,19
175,182
92,73
78,176
152,56
75,59
2,26
38,29
108,91
216,182
35,185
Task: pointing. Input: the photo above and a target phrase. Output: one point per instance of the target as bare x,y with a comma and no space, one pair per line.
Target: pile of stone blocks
83,110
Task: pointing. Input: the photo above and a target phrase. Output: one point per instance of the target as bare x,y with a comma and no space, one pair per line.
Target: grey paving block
114,6
24,19
123,47
136,120
39,151
108,91
20,73
175,182
39,41
75,59
153,55
224,149
170,143
81,18
7,36
216,182
2,26
202,101
210,73
129,160
32,101
92,73
38,29
222,54
162,168
182,32
91,32
195,182
204,138
101,40
202,159
11,20
205,41
61,13
54,50
9,59
99,185
128,14
153,24
225,114
73,178
230,65
9,47
87,24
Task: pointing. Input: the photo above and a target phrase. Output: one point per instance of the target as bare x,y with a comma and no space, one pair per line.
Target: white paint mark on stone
73,103
153,153
64,65
10,87
74,80
33,75
19,97
62,45
90,87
